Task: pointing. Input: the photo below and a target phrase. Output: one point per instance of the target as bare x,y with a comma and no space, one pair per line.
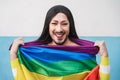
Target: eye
54,23
64,23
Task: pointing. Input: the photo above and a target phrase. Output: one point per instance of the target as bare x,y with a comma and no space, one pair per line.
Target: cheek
67,30
51,29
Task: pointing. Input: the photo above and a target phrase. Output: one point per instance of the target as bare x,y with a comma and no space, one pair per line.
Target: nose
59,28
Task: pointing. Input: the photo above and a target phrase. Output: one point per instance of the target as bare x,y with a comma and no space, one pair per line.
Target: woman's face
59,29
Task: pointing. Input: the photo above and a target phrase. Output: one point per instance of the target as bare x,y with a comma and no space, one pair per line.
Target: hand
103,50
14,48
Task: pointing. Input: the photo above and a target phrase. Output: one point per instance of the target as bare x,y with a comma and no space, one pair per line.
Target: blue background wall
113,46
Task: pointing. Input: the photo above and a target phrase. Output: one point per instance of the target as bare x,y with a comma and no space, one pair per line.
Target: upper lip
59,33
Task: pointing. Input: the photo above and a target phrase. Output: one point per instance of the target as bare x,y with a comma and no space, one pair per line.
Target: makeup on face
59,28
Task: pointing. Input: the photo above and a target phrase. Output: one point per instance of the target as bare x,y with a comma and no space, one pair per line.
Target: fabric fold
44,62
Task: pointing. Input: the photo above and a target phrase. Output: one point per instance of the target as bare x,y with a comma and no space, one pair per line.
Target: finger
20,38
96,43
22,42
99,43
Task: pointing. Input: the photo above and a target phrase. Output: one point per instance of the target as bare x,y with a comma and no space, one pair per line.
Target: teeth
59,34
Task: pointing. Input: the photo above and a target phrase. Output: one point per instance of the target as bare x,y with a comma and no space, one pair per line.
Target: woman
59,30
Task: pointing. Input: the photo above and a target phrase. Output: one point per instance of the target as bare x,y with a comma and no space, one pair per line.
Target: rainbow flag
37,61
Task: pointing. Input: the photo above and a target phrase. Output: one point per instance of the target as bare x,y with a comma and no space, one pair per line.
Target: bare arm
104,64
14,47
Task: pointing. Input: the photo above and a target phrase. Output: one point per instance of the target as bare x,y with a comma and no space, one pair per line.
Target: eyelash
65,23
54,23
62,24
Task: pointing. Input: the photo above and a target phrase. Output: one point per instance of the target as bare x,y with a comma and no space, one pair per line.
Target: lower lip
59,36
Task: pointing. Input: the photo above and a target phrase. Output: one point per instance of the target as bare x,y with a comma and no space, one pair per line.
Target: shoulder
82,42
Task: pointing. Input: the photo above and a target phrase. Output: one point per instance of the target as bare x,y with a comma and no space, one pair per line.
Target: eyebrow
57,21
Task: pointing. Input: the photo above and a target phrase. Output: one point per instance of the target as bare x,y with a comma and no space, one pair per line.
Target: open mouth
59,34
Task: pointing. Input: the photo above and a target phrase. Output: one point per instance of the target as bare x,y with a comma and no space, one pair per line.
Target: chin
60,42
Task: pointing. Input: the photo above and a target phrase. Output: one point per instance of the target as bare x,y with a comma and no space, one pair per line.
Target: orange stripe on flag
94,74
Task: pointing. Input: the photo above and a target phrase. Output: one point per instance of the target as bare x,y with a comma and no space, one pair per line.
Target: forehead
60,17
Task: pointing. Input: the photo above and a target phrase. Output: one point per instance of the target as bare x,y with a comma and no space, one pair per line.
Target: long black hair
45,36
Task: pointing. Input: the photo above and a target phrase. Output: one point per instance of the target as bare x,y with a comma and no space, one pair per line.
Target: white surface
92,17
